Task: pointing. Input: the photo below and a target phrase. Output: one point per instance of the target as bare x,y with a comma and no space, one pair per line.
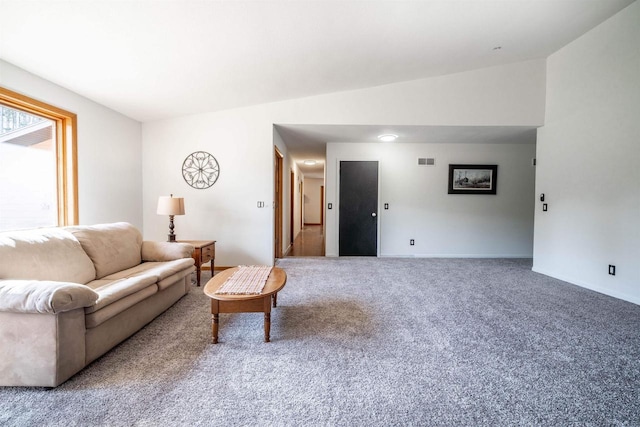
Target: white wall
588,161
442,225
312,200
226,212
242,140
109,150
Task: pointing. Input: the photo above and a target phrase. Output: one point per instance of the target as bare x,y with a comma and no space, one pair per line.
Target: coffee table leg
214,327
267,327
267,319
215,319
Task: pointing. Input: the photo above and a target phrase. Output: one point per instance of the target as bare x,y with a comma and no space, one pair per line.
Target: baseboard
590,286
312,223
478,256
514,256
286,252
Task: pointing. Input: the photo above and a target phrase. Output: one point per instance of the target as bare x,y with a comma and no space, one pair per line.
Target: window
38,164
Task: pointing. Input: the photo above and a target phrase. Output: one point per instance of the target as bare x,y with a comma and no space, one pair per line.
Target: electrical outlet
329,205
386,205
544,207
412,242
612,269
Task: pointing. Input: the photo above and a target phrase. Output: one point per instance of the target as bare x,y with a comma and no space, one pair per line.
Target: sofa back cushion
52,254
111,247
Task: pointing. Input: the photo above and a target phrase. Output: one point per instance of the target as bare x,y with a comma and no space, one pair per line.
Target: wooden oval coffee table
244,303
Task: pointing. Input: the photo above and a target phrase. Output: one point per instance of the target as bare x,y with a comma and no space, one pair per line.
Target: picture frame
473,179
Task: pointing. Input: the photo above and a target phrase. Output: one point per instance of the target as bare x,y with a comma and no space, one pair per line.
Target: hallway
310,242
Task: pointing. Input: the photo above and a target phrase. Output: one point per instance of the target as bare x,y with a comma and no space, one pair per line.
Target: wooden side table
203,251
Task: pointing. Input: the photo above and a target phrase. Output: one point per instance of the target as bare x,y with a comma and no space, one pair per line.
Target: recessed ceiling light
310,162
387,137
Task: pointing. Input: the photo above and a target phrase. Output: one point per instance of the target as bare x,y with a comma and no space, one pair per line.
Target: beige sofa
68,295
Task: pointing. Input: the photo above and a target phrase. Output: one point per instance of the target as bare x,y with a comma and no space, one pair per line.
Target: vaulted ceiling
152,59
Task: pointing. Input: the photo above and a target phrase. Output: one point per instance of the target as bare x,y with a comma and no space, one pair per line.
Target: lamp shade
169,205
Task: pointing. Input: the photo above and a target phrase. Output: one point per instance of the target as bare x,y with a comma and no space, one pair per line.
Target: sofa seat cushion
43,296
96,318
165,283
110,291
111,247
159,270
44,254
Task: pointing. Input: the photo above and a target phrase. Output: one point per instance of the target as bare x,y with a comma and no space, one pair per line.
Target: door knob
373,214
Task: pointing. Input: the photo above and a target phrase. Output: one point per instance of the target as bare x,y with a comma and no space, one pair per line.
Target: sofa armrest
165,251
42,296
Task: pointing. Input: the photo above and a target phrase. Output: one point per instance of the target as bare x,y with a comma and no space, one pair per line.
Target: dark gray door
358,209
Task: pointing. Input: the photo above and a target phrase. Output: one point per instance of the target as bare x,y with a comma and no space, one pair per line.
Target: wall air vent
424,161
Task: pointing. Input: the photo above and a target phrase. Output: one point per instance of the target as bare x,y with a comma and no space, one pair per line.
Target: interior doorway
292,195
310,240
313,201
279,160
322,206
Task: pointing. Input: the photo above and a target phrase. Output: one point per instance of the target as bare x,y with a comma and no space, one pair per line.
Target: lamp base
172,237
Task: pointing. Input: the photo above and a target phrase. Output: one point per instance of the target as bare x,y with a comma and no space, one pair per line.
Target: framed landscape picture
473,179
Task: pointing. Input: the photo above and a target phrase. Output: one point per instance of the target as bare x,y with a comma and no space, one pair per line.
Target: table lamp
170,206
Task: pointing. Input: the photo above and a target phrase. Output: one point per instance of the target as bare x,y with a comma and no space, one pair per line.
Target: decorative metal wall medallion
200,170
